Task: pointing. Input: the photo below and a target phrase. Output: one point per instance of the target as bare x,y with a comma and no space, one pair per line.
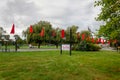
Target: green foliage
93,47
87,34
20,42
3,34
74,35
57,38
86,46
35,36
48,38
1,31
110,15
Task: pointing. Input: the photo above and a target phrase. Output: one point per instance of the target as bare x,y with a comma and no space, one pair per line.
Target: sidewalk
28,49
108,49
35,49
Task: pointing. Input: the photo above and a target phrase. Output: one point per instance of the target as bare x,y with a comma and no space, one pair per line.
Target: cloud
61,13
19,10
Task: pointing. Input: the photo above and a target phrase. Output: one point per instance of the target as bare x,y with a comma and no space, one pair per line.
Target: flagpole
16,44
62,36
61,47
13,32
70,41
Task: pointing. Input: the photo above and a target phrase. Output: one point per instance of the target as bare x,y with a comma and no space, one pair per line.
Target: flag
83,36
93,40
88,38
99,40
53,33
13,29
78,35
108,41
62,33
42,32
31,29
102,41
115,41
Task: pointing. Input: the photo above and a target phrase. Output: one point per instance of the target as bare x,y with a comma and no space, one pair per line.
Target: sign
65,46
62,34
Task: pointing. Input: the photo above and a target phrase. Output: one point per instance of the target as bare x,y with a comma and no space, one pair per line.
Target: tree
4,34
19,40
85,42
74,33
55,39
2,31
87,34
35,36
110,15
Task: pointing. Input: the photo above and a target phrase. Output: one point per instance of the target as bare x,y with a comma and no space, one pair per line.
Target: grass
50,65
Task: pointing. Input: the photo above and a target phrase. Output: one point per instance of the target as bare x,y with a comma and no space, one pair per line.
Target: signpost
70,41
66,46
62,36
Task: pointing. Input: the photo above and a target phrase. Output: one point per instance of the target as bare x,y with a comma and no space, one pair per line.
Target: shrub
86,46
94,47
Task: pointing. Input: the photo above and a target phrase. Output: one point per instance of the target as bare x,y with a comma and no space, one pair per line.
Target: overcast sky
60,13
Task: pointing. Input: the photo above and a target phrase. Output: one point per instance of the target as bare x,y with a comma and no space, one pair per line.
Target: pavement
28,50
50,49
36,49
108,49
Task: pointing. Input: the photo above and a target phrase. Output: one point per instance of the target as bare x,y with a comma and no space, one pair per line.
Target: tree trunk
38,45
57,46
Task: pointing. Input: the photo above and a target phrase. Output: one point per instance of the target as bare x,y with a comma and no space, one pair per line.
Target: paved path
31,49
28,50
36,49
108,49
41,49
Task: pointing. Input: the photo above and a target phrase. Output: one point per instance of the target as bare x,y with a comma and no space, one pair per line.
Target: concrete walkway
50,49
35,49
108,49
28,49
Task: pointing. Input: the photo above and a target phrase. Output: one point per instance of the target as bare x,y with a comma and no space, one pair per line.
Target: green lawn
50,65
